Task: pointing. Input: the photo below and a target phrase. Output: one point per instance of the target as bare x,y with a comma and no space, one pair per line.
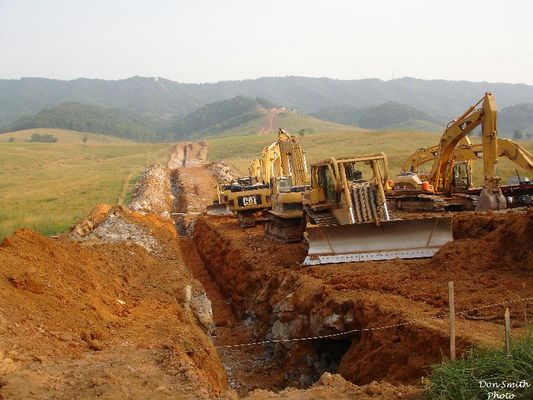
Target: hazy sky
208,40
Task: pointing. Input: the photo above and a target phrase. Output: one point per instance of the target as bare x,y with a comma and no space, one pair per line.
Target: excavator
347,218
284,219
222,191
281,176
251,201
447,188
463,158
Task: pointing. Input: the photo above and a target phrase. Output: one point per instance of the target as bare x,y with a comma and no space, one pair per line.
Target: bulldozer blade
219,209
416,238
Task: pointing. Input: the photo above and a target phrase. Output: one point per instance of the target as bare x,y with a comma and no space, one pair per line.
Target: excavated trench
259,291
282,302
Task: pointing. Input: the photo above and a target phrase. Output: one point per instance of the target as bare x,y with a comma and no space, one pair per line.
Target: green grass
397,145
288,120
460,380
47,186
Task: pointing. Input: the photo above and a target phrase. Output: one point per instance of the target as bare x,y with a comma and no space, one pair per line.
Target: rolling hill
88,118
389,115
164,99
516,118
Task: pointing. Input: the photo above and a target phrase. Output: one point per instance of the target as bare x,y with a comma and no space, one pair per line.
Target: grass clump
486,374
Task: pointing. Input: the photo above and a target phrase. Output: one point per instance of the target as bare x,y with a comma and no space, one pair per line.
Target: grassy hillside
398,145
288,120
47,186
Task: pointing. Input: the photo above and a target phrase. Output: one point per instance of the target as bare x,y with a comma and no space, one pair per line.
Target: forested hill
164,99
219,116
389,115
87,118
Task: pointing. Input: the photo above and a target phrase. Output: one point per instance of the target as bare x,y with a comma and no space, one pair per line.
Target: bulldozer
448,183
347,218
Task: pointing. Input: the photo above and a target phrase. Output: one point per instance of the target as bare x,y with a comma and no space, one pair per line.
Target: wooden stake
451,305
508,332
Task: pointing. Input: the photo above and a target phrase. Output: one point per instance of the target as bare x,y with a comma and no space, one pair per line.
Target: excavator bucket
417,238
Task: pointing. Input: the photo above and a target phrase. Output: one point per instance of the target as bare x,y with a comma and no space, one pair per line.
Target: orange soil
82,320
257,274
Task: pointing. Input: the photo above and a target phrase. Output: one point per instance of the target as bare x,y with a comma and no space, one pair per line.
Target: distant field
47,186
290,121
398,145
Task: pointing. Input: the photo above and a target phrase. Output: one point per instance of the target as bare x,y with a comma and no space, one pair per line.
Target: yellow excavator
250,202
347,218
284,219
223,191
462,170
446,187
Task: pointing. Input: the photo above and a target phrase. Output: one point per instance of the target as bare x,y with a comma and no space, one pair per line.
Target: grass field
47,186
397,145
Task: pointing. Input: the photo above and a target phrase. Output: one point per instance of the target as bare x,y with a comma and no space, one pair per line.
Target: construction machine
462,171
347,219
222,191
446,186
250,202
284,219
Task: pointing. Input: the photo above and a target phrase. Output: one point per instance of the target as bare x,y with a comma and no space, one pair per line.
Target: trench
259,291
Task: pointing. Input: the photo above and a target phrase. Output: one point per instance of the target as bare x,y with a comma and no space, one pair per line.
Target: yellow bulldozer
347,219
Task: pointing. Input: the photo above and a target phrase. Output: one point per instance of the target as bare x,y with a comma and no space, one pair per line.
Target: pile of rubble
152,192
188,154
223,172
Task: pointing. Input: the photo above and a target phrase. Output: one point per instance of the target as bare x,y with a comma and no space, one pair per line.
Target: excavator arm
468,151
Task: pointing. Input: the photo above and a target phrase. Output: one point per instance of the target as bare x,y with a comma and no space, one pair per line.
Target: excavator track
286,230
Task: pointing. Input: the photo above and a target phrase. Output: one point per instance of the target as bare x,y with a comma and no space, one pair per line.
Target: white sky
208,40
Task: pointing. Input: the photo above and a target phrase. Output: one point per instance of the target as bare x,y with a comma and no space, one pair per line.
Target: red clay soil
265,280
89,320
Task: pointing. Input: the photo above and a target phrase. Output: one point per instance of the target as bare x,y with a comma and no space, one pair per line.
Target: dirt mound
152,193
331,386
222,172
494,240
84,319
188,154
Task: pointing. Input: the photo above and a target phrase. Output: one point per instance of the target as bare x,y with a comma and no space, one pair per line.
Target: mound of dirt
223,172
152,193
188,154
331,386
92,318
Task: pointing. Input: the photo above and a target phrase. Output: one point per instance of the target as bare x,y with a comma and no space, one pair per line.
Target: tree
517,134
529,135
35,138
84,139
301,133
11,139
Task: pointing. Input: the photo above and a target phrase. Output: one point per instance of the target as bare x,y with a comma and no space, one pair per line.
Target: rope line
228,346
